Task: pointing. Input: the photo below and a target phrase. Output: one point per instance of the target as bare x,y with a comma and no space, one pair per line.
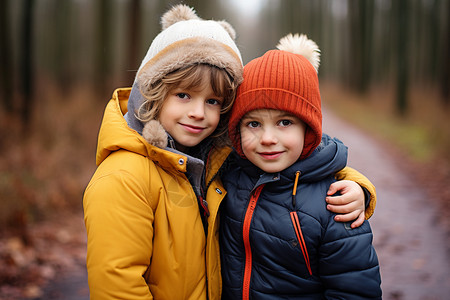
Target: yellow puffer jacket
145,234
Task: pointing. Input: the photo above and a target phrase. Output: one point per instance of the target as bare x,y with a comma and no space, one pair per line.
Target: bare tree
26,62
401,11
445,64
103,57
134,33
361,36
6,82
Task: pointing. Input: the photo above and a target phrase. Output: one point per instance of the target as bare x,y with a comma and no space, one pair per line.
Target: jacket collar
115,134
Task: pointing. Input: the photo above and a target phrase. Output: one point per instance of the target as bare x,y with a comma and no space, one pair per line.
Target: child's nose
268,137
197,110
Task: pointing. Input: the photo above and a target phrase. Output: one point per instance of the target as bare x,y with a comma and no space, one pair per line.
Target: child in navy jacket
278,240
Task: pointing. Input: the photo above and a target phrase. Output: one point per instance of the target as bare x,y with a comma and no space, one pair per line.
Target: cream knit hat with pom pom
185,40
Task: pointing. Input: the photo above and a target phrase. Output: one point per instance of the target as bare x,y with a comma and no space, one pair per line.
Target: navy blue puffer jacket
281,243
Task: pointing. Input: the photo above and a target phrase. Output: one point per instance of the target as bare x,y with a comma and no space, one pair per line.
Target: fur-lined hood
115,133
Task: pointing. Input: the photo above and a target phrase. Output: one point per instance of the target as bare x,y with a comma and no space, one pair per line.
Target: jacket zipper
297,227
203,202
301,240
246,238
206,211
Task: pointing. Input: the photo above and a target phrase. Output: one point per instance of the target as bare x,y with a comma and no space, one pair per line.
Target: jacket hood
115,133
135,101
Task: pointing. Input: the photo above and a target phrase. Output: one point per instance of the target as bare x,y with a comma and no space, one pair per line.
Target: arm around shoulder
349,173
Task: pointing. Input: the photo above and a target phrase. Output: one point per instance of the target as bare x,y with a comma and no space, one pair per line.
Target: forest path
412,246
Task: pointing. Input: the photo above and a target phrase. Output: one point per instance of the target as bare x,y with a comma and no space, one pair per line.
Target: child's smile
271,155
192,128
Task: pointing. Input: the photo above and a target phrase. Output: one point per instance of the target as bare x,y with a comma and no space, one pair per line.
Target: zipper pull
204,205
294,190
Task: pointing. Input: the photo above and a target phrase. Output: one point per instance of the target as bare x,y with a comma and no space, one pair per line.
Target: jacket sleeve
116,216
348,264
351,174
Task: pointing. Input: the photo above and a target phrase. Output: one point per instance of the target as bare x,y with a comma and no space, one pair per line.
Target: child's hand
349,205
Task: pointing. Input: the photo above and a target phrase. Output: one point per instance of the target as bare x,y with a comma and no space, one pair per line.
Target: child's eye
285,123
213,102
253,124
183,95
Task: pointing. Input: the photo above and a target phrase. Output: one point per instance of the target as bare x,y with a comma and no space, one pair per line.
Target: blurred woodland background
385,67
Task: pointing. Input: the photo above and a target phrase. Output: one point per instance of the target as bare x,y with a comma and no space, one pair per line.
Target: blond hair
192,76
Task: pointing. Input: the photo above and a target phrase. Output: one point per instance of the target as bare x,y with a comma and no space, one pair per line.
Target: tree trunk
134,34
26,61
445,73
361,34
401,10
103,57
6,75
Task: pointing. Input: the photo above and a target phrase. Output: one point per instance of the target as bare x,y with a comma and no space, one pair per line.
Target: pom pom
228,28
176,14
300,44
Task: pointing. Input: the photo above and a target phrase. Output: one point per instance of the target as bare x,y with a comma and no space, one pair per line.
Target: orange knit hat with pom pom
284,79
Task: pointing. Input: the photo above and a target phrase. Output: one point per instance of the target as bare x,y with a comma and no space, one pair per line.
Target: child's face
272,139
191,115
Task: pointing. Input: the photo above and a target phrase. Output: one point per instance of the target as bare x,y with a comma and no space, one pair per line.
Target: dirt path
412,246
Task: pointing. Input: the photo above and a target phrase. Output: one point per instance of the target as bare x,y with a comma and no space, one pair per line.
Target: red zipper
297,227
301,240
246,238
